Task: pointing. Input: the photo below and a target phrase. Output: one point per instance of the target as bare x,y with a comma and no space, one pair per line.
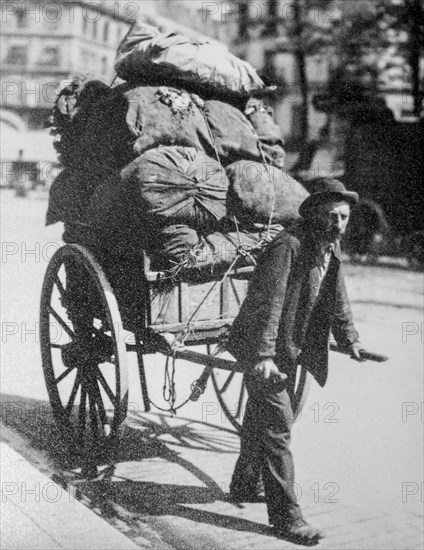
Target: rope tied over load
190,260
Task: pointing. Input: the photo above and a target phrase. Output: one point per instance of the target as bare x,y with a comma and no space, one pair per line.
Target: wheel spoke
106,387
70,403
240,402
85,367
100,405
236,294
82,411
60,321
93,413
97,398
227,383
60,287
63,375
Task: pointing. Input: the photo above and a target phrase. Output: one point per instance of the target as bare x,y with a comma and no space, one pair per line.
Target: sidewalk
36,513
169,491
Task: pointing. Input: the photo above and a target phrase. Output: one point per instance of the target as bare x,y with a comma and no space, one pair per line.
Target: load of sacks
180,160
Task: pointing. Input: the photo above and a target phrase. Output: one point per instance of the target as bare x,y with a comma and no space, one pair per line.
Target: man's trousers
265,449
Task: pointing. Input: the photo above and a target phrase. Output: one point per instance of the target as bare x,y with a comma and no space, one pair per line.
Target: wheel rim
82,348
300,388
230,389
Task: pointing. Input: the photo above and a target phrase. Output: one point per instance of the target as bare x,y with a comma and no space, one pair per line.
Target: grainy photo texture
212,253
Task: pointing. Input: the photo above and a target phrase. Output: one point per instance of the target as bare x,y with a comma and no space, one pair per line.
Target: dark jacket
284,317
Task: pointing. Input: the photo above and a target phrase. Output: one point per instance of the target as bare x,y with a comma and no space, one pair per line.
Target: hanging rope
267,166
169,392
189,261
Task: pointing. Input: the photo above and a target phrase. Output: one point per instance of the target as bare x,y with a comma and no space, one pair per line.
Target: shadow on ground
142,437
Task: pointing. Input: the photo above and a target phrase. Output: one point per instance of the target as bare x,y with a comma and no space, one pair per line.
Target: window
50,56
296,111
17,55
106,32
95,27
84,24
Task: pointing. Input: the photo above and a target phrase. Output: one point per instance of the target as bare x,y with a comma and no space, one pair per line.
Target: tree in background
309,28
378,44
375,44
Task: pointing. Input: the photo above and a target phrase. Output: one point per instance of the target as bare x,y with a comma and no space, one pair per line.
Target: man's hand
355,352
267,370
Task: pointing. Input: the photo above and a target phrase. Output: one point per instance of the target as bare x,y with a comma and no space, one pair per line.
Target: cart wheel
300,384
230,389
83,352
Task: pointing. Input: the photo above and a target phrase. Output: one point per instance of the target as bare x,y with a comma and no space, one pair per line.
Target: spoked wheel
299,385
230,388
83,351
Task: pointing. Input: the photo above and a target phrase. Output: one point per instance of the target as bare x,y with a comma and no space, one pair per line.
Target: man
296,297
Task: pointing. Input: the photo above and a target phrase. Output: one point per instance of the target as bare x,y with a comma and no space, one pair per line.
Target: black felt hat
324,189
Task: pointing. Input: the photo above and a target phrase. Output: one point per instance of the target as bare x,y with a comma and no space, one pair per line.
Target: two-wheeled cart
93,313
88,325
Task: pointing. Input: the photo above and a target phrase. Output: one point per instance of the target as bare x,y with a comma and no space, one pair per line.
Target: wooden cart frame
87,329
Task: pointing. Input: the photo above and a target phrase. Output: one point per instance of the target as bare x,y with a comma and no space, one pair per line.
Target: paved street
358,445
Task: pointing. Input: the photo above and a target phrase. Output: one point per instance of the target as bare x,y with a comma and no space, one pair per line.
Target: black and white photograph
212,274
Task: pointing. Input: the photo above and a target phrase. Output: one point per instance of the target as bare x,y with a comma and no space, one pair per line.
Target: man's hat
324,189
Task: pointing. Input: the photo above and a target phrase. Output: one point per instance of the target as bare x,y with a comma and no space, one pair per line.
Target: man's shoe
299,532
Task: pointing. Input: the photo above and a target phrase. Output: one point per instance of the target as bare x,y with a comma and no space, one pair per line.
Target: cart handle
364,354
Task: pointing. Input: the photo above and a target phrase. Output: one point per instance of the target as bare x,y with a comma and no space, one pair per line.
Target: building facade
254,30
44,43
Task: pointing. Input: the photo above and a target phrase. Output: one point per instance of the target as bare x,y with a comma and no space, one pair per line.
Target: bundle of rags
164,162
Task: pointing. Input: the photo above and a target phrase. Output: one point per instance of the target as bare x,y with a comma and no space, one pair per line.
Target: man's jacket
285,317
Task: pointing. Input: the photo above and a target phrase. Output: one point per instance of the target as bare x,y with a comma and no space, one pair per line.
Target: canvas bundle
180,161
261,194
182,249
268,133
165,116
153,57
236,138
165,185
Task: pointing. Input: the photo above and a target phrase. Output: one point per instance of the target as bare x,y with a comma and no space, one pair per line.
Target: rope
243,250
267,165
264,160
216,285
211,135
169,391
186,263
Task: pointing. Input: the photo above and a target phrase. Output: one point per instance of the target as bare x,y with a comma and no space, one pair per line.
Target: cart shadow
140,435
181,432
32,420
141,440
142,499
134,501
144,436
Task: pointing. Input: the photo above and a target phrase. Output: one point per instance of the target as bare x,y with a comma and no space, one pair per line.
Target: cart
95,310
93,315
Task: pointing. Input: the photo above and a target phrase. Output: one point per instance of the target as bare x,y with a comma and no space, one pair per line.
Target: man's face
330,220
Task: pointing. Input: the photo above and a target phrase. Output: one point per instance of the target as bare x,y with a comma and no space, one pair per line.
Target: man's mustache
334,233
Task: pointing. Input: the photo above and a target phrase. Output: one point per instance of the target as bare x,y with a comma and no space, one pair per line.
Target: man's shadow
141,439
